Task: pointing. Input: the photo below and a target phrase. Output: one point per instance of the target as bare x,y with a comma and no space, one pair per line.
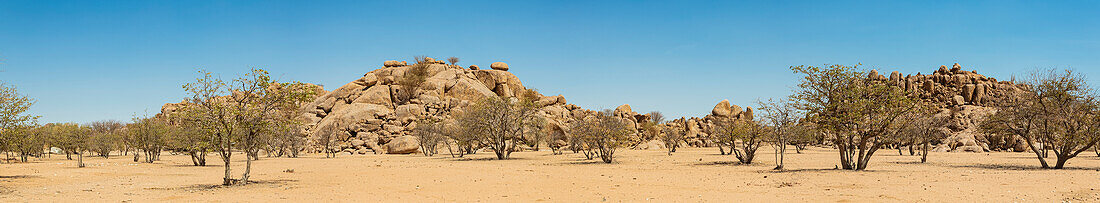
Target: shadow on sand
210,187
1035,167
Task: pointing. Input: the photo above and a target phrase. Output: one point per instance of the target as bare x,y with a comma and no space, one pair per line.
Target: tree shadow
587,162
212,187
17,177
722,163
806,170
1022,167
485,159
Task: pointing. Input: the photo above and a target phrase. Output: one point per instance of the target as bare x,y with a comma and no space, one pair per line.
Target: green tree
603,134
1059,112
859,114
239,114
15,124
500,123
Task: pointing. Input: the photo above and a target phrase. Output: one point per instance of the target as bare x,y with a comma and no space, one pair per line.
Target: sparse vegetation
150,135
781,118
430,133
672,137
453,60
499,123
1059,113
237,115
857,114
602,134
743,137
107,137
412,79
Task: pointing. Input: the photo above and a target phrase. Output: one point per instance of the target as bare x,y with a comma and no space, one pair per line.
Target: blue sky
86,61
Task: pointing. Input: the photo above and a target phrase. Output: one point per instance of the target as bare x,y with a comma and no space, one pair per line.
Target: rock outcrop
966,99
378,122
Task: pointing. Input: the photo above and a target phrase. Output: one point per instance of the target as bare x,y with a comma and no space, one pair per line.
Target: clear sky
86,61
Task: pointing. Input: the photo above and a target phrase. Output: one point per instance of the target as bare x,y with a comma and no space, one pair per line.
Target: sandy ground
691,175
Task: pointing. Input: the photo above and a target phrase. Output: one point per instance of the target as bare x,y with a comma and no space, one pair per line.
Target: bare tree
453,60
927,129
781,117
329,136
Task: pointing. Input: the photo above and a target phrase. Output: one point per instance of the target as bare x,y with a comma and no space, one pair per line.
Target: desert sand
691,175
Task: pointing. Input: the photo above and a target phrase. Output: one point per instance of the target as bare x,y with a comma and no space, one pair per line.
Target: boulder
379,94
469,89
402,145
499,66
624,109
969,149
1020,146
474,67
722,109
409,111
394,63
958,100
651,145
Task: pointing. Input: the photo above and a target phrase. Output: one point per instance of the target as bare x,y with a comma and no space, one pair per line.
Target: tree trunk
1038,153
924,153
247,170
1061,161
80,159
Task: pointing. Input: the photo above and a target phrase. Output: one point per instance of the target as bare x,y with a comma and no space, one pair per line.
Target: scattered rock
499,66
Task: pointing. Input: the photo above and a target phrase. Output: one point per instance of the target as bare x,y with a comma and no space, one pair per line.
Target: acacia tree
329,136
500,123
460,141
430,133
19,127
750,134
928,128
239,113
1059,113
71,138
24,139
781,117
859,114
603,134
106,136
672,137
150,135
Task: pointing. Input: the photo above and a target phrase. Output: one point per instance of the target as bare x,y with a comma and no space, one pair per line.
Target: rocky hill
376,123
373,121
964,97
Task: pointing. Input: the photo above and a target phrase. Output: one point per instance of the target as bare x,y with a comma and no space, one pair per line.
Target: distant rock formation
381,125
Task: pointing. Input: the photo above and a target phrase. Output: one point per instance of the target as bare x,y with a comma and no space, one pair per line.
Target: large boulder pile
966,98
380,124
953,87
697,129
